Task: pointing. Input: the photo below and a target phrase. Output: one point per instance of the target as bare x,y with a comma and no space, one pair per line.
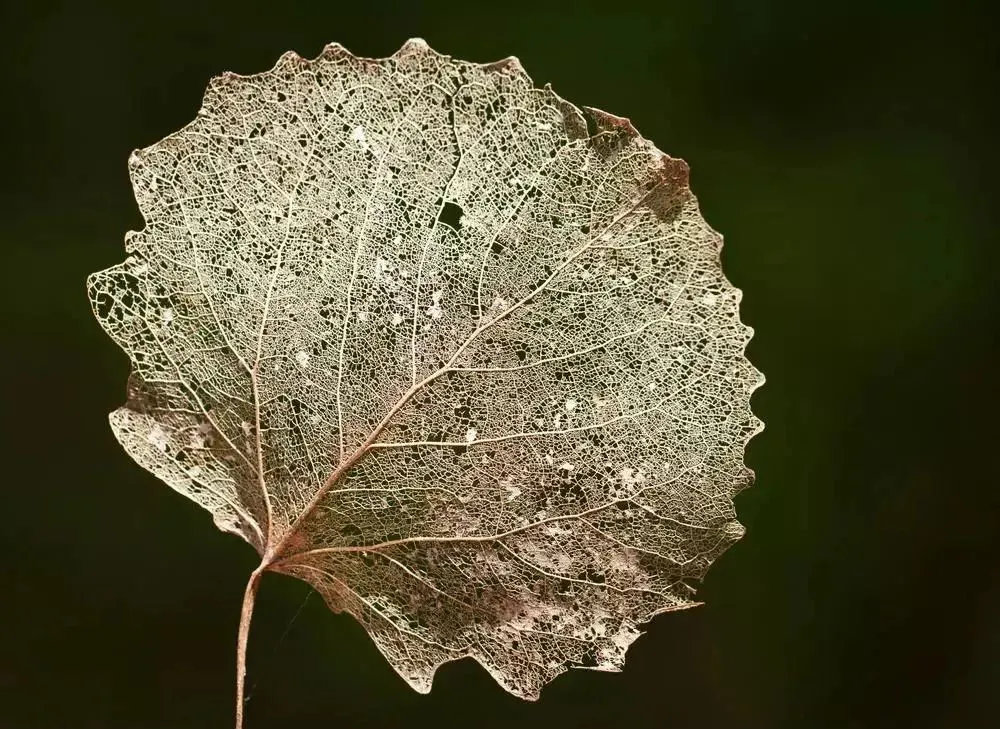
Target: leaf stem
241,642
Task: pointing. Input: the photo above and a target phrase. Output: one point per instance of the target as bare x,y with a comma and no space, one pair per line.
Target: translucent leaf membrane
453,351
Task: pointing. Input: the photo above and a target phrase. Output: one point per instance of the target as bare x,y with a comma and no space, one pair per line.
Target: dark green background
843,149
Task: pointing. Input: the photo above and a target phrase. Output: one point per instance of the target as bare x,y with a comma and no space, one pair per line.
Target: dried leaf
454,352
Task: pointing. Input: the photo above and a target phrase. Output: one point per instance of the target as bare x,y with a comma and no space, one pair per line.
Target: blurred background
844,151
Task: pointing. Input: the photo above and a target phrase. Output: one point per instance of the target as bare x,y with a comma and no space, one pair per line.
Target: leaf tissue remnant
457,353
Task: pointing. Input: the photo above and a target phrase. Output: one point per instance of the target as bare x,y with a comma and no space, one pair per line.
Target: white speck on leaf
158,438
434,310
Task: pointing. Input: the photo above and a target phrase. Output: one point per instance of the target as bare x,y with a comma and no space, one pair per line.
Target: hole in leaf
451,215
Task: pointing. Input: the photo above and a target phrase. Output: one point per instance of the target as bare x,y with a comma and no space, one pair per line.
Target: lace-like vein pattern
457,353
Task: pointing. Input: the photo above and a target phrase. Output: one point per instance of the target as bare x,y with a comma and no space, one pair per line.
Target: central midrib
273,552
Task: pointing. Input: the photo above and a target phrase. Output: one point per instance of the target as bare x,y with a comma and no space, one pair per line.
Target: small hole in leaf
451,215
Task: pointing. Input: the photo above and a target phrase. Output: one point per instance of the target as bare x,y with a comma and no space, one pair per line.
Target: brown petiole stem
241,642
